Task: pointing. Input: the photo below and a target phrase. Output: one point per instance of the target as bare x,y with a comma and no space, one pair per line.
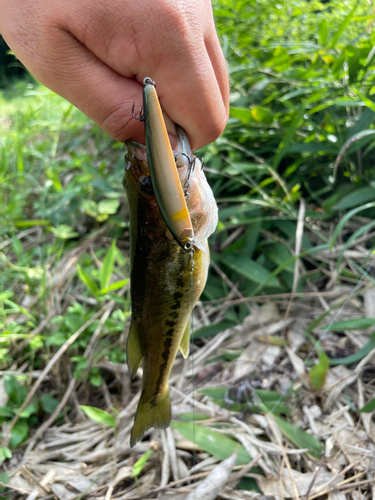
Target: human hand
89,52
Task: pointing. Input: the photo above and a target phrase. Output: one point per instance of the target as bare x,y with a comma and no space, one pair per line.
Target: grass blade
342,27
108,264
219,445
299,437
98,415
357,356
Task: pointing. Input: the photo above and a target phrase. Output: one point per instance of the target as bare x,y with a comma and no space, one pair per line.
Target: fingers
81,51
177,48
219,66
195,89
191,95
192,98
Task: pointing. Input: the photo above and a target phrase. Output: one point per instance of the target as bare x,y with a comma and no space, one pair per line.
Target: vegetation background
293,175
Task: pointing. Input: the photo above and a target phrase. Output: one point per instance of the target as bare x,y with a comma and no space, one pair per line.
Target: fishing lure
169,193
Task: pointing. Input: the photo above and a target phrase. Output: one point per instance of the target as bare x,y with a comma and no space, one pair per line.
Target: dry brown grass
83,459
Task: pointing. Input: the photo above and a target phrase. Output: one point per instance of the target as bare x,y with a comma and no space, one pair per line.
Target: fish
166,279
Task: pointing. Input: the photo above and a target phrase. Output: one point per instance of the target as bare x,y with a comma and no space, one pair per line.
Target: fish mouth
137,149
200,201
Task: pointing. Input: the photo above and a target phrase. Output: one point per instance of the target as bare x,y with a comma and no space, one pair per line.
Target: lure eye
188,247
146,186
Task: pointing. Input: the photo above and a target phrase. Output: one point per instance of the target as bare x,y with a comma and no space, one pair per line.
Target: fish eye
146,186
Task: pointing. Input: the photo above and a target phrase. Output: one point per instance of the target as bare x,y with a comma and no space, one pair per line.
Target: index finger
191,95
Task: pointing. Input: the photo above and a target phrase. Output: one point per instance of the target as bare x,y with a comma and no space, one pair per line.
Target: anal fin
133,350
185,341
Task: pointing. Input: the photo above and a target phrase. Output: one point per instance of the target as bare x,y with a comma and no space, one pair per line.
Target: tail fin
149,415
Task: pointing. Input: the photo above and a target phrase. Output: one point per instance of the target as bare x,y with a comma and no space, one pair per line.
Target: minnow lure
161,162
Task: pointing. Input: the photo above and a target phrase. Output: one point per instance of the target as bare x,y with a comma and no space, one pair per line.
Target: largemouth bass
165,286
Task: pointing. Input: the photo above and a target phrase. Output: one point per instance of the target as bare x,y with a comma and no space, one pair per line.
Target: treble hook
191,168
201,160
177,158
141,114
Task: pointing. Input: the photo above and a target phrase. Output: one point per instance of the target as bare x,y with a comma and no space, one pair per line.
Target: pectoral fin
133,350
185,341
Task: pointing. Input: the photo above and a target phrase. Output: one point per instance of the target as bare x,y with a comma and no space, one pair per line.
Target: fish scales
162,298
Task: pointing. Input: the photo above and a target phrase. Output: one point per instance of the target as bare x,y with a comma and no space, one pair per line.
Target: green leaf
250,269
349,144
211,330
90,207
19,434
6,412
108,207
242,114
370,406
270,399
4,454
243,166
30,409
115,286
192,417
215,392
318,373
49,403
299,437
120,258
219,445
345,219
350,324
357,356
98,415
64,232
289,134
342,27
86,280
370,104
262,115
96,380
15,391
4,477
361,230
32,223
223,13
107,268
140,463
323,32
279,254
310,147
297,12
355,198
249,484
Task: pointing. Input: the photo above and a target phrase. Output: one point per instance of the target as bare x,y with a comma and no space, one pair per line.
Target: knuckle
218,127
118,122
